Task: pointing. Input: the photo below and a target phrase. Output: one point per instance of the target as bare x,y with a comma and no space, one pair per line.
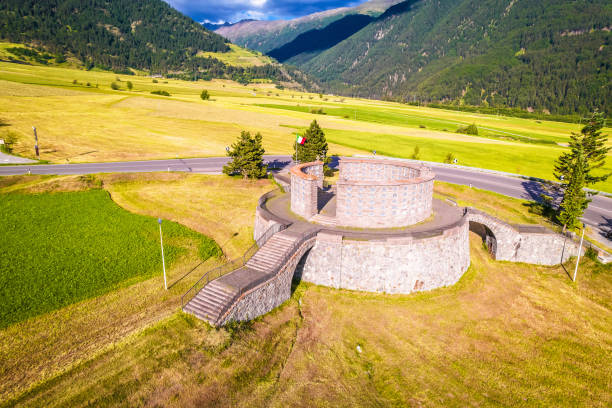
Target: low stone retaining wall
523,243
264,220
392,265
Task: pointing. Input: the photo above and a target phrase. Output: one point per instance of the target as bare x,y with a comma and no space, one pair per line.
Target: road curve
598,215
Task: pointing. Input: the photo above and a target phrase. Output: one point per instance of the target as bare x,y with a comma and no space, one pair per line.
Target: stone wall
269,295
304,188
263,224
383,193
529,244
393,265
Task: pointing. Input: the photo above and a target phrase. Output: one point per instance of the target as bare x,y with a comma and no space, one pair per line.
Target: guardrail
232,265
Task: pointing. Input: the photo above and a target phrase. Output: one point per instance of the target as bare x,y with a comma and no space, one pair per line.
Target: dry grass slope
507,334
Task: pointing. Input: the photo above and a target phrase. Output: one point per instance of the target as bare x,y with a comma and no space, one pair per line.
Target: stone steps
215,299
324,220
272,253
211,302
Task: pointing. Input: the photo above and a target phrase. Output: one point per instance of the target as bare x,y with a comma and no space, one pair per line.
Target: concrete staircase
272,253
216,298
324,220
212,301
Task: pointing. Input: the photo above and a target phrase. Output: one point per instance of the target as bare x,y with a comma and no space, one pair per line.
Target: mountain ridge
549,56
265,36
122,35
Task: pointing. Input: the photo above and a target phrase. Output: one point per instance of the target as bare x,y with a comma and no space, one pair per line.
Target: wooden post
36,143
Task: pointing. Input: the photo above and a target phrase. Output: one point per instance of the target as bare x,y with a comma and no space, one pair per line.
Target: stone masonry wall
262,224
544,249
383,205
304,188
383,193
316,171
270,294
394,265
516,244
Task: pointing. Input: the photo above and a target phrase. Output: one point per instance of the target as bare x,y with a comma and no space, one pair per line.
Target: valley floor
79,118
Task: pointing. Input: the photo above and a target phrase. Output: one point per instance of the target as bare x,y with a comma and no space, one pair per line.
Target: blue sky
234,10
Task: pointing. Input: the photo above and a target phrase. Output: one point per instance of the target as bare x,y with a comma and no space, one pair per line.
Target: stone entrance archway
488,237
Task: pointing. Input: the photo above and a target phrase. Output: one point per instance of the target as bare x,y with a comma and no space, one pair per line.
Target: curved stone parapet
383,193
264,219
532,244
399,265
306,179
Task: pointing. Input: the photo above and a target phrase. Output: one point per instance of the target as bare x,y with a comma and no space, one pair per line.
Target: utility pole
579,252
161,240
36,143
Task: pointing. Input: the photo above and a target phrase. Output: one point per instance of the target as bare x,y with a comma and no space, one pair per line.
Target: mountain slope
147,35
266,36
118,33
547,55
322,39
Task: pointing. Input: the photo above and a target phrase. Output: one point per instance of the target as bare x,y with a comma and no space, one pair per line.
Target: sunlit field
81,119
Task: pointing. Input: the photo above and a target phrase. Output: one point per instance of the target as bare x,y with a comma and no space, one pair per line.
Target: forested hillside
120,34
549,55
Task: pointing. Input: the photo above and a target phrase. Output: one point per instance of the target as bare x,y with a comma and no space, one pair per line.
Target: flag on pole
300,140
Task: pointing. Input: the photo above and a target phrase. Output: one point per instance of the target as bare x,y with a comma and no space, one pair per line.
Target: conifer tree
592,143
315,147
573,169
574,199
247,157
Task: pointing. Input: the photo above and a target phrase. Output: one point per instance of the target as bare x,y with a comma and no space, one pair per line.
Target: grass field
506,334
42,346
86,121
65,247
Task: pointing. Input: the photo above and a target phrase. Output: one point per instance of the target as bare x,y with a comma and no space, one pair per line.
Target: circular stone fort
377,229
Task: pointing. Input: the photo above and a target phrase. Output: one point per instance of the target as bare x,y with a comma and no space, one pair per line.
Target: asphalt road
598,215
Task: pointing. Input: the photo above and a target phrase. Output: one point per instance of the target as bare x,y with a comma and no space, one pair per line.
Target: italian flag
300,140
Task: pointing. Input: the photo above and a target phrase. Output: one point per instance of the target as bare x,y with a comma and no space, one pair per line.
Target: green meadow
61,248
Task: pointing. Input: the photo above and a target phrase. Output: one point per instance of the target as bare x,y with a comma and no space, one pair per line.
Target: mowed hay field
505,335
81,123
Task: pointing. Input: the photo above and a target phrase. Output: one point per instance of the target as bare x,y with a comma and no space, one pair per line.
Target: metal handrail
232,265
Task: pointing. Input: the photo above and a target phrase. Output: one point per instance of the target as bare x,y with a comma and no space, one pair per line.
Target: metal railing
232,265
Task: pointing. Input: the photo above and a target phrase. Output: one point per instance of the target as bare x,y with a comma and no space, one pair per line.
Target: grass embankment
43,346
61,248
80,119
506,334
509,209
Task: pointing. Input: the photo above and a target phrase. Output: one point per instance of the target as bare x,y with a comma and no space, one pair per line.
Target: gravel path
10,159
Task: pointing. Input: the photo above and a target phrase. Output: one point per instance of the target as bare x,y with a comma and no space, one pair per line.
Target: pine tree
574,199
247,157
588,151
592,143
315,147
